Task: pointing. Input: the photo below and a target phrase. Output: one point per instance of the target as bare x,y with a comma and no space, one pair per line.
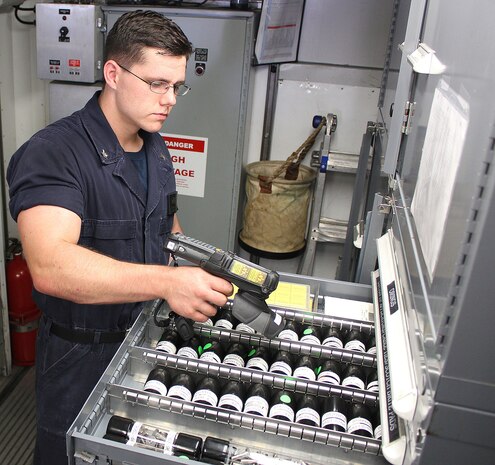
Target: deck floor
17,417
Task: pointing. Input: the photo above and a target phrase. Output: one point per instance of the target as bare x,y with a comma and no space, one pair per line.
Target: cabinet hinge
407,118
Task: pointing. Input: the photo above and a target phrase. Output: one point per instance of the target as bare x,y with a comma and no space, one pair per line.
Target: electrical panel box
69,42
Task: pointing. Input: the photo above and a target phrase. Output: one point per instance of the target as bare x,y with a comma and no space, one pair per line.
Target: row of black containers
332,413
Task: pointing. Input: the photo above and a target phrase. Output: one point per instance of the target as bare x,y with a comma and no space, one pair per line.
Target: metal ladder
319,160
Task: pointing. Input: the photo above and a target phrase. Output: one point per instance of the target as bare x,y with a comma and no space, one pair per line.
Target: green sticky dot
285,399
308,331
318,370
184,457
207,346
251,352
200,350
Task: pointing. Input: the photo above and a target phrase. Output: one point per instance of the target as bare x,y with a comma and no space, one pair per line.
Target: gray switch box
69,42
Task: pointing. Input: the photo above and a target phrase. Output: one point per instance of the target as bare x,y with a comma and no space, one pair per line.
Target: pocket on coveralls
114,238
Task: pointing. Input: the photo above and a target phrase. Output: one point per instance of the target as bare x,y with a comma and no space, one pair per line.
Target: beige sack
276,222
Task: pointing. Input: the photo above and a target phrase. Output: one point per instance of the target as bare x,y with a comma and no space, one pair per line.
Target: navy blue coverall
77,163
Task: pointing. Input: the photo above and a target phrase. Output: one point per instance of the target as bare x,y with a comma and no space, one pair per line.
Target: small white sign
189,156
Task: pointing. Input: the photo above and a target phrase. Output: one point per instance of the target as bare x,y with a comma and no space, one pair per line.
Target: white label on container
282,410
231,400
166,346
378,432
334,419
210,356
208,322
205,396
244,327
353,381
359,423
310,339
256,404
134,433
355,345
181,392
234,359
373,386
281,368
222,323
329,377
308,414
333,341
305,372
288,334
372,350
188,352
155,385
257,363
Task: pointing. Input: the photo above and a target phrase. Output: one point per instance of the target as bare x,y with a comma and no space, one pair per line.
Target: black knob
64,31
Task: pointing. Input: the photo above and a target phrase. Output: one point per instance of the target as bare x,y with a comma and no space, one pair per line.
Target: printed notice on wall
278,34
442,149
189,159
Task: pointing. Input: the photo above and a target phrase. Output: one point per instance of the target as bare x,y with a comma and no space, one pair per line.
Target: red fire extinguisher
23,313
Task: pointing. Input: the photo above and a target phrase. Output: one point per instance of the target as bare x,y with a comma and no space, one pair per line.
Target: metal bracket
85,456
424,60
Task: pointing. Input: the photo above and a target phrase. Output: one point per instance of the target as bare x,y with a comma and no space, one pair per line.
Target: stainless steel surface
120,392
69,42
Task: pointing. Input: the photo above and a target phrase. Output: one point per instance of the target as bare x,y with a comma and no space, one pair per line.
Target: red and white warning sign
189,155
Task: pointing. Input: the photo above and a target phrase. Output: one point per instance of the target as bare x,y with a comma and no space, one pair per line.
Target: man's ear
111,71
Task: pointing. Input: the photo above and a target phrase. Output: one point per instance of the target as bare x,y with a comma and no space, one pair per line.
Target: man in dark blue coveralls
94,198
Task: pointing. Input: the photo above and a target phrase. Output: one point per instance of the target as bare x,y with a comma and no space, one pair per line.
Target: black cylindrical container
334,414
158,381
212,351
236,355
329,372
308,411
257,400
258,359
353,376
332,337
207,392
225,319
377,425
291,331
169,342
282,363
182,387
372,381
359,421
215,450
239,4
232,396
244,328
371,347
283,406
190,349
305,368
356,340
310,334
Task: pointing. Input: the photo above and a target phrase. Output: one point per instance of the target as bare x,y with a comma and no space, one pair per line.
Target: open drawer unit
121,392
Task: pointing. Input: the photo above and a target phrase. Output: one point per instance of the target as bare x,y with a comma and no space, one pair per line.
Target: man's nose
168,98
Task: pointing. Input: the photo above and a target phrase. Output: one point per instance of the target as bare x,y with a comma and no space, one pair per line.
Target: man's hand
194,293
